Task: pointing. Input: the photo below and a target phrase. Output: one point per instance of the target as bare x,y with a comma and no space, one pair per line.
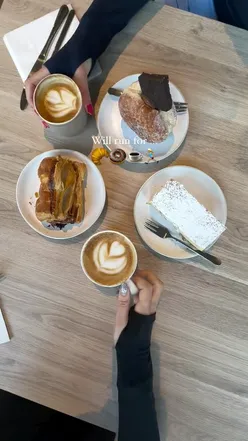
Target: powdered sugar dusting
193,221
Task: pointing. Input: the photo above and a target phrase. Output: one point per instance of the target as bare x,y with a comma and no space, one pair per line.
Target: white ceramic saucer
200,185
94,196
117,134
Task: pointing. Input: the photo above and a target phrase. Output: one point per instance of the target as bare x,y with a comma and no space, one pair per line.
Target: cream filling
169,118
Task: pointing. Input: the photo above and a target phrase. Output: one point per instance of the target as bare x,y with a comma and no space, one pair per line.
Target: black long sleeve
100,23
137,414
234,12
105,18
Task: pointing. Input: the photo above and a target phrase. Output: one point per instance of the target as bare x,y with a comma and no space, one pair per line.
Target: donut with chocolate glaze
117,156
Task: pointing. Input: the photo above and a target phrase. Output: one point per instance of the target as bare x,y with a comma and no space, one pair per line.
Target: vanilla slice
192,220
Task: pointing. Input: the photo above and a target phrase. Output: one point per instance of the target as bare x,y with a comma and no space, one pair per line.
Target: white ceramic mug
73,126
130,283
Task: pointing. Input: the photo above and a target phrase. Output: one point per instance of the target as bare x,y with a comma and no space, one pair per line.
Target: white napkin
4,336
25,43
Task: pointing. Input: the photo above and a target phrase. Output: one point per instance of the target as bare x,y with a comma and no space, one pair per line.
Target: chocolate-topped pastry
139,110
156,90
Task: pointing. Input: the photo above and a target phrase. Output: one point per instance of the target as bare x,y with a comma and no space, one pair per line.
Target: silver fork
164,233
179,106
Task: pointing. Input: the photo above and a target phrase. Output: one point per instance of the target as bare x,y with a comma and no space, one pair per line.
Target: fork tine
181,110
181,104
152,223
181,107
150,227
178,103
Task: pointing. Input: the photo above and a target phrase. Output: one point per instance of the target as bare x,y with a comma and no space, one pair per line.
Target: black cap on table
156,89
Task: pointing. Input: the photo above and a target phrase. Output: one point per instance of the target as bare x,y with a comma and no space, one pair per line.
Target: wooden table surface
61,352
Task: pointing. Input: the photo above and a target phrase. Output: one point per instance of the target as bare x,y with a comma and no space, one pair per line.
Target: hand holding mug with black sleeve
101,22
132,336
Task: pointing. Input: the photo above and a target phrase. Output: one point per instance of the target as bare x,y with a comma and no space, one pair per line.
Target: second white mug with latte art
58,102
109,258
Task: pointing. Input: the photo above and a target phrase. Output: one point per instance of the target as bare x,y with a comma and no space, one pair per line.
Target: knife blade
62,14
114,91
64,31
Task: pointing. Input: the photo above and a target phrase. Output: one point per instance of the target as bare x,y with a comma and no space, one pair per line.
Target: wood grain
61,352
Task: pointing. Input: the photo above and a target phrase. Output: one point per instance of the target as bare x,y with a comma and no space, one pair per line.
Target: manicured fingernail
45,124
90,109
123,289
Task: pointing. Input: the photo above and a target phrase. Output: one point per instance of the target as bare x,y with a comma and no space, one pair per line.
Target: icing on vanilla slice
193,221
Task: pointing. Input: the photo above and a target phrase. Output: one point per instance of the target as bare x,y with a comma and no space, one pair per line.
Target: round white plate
200,185
115,132
94,196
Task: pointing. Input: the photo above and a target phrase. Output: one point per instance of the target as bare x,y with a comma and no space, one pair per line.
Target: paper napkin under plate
4,336
25,43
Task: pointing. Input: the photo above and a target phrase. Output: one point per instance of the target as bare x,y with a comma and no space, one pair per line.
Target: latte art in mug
109,258
60,102
57,99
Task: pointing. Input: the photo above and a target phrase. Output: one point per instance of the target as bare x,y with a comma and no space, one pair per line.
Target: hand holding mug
80,77
146,301
150,288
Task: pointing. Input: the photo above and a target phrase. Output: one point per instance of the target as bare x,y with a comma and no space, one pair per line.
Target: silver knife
118,92
180,106
64,31
62,14
114,91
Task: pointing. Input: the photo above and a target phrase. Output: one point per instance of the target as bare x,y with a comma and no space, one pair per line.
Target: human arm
234,12
99,24
137,413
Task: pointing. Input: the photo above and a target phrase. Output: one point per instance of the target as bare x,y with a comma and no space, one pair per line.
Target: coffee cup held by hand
58,102
109,258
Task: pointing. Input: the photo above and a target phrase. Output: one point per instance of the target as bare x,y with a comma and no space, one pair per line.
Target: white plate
200,185
94,196
117,134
